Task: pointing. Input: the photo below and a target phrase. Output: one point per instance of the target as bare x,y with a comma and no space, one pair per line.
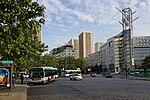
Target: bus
66,73
42,74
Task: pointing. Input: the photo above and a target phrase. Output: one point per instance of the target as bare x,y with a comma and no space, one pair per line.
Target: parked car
116,73
26,76
108,75
93,74
75,77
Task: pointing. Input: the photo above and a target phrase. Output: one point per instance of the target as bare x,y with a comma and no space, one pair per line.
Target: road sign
6,62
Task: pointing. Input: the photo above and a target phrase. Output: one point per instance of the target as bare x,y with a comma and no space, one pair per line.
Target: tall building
116,52
85,44
98,45
75,44
39,34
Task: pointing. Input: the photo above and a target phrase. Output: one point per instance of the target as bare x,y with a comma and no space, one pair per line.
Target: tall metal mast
127,25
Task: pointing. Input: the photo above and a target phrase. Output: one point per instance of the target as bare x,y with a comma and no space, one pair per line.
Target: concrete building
93,59
141,46
63,51
116,52
75,44
120,53
85,44
104,55
98,45
39,34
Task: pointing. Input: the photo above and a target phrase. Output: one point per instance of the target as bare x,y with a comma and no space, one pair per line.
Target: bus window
38,74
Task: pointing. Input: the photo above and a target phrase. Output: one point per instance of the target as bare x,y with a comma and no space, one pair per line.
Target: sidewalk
134,78
19,92
138,78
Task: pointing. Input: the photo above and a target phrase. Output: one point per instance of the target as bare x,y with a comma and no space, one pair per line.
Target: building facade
116,53
93,59
141,46
63,51
39,34
104,55
85,44
75,44
98,45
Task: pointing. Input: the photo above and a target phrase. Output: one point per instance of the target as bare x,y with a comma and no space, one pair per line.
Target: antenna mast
127,25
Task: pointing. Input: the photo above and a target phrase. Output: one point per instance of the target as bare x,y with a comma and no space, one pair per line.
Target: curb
142,79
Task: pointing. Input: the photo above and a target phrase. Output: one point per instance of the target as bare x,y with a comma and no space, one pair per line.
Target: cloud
55,40
56,7
69,17
76,1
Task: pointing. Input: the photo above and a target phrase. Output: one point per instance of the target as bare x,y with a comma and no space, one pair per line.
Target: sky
66,19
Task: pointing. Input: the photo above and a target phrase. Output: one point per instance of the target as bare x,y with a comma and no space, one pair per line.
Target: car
76,77
26,76
116,73
93,74
108,75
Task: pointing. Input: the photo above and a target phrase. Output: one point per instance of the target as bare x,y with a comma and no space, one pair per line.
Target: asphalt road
91,88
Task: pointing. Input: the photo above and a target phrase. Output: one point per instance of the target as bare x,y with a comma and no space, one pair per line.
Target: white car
75,77
26,76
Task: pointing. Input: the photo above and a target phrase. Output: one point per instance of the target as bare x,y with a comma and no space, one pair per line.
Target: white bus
67,73
43,74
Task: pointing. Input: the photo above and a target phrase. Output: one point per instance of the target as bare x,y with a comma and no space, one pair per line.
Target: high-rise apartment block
39,34
98,45
85,44
75,44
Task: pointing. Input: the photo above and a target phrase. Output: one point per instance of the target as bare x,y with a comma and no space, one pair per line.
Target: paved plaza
91,88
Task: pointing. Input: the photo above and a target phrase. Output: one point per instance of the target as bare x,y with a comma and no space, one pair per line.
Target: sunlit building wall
75,44
85,44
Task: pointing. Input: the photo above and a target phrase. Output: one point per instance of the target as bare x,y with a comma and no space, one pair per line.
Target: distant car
75,77
116,73
108,75
93,75
26,75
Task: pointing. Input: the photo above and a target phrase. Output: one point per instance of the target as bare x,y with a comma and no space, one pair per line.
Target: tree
60,63
112,67
81,63
47,60
18,31
146,63
70,62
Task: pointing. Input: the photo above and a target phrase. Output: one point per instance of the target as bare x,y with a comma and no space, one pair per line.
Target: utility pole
128,49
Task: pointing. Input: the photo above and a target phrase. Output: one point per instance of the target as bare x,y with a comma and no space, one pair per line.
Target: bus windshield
37,73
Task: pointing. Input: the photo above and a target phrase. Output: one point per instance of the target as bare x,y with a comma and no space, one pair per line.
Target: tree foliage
146,63
81,63
19,24
48,60
70,62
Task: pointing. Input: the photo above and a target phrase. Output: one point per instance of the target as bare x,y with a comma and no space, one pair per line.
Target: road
91,88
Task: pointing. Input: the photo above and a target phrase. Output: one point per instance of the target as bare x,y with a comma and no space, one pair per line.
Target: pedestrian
22,78
13,79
